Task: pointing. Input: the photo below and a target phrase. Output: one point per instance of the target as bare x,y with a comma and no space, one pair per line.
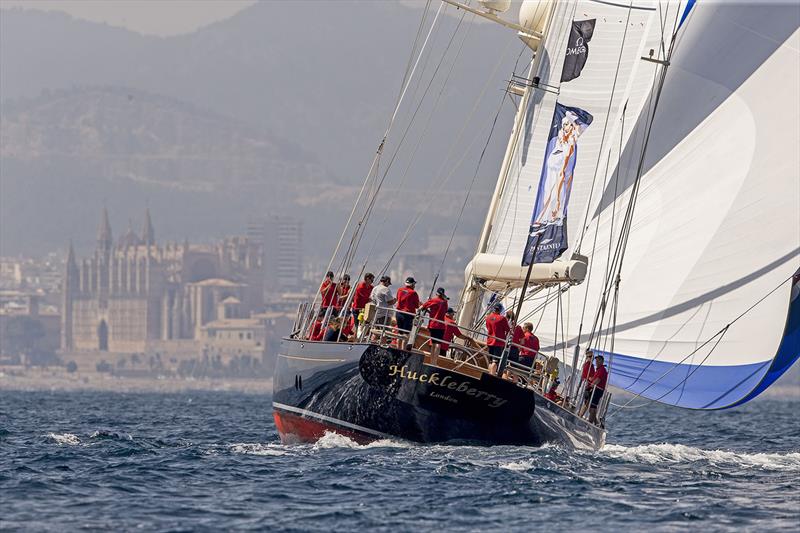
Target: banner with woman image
548,230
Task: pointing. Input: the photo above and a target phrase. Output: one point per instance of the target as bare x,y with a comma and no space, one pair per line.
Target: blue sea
209,461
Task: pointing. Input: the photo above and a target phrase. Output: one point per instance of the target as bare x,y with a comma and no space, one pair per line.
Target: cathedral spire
71,256
148,234
104,241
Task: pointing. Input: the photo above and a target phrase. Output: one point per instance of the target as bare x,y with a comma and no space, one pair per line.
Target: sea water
213,461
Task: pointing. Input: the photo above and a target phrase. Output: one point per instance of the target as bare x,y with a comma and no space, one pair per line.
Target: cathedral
135,294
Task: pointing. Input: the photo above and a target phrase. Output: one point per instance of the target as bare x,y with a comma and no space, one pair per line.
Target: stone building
135,293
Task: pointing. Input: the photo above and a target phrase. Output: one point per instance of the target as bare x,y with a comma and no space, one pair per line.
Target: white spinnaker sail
717,220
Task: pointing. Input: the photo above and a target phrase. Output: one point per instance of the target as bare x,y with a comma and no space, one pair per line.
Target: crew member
551,394
382,297
527,355
598,383
349,327
332,331
437,310
316,329
407,305
451,330
516,337
587,371
342,292
362,293
497,329
328,291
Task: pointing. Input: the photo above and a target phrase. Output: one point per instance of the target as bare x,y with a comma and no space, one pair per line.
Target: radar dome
496,6
533,15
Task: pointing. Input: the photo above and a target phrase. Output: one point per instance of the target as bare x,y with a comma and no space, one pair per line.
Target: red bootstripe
295,428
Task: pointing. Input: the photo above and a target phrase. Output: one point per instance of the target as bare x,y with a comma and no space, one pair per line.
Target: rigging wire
605,128
623,240
381,144
421,25
441,178
621,248
430,115
466,198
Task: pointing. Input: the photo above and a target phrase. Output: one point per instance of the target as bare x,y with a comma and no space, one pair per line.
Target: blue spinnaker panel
696,386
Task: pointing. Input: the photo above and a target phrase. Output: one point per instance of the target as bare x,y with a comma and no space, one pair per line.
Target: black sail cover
577,48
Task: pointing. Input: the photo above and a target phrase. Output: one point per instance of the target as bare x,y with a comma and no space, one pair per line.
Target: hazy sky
157,17
154,17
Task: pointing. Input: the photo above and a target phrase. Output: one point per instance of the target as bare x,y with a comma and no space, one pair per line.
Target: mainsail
605,88
707,314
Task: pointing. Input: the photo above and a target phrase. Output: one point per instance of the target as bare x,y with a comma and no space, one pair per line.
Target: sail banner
577,48
548,230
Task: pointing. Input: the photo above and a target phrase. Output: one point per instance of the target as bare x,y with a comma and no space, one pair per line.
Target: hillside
323,75
118,133
277,109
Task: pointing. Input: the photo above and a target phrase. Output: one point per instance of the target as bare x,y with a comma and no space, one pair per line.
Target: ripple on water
160,462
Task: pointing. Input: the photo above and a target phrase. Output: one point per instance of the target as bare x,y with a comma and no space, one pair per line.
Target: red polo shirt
316,331
361,295
437,309
328,291
587,371
344,290
600,378
531,343
517,336
407,300
496,326
450,330
349,327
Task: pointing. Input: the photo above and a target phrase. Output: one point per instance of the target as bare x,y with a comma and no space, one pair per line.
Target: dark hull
368,392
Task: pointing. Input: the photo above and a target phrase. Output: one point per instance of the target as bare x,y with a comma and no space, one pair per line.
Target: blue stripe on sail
689,6
788,353
707,387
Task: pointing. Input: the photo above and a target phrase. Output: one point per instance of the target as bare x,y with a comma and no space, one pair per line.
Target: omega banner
577,48
548,230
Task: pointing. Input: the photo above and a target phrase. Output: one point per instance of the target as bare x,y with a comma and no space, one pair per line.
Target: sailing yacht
647,209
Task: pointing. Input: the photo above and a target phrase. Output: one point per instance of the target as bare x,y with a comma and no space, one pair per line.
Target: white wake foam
258,449
519,466
679,453
335,440
64,438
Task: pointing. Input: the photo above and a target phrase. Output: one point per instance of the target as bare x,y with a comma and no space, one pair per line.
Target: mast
534,39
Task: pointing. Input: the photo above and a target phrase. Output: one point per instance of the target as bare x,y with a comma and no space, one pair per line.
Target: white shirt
381,296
